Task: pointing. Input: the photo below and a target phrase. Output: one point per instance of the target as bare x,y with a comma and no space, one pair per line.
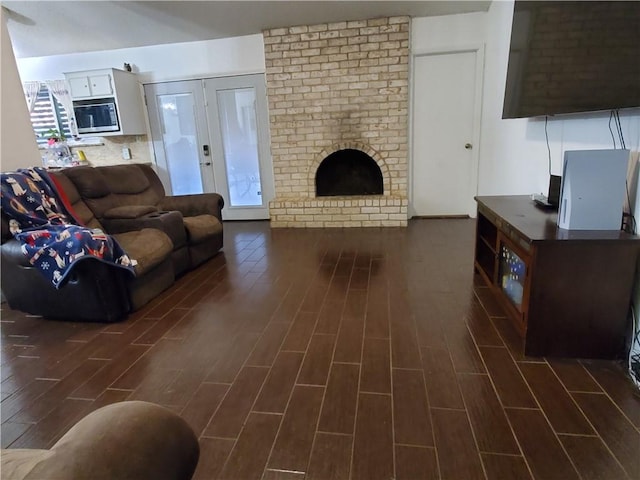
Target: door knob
468,146
205,164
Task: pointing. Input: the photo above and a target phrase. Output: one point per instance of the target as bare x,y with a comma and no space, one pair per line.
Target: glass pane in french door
237,113
180,141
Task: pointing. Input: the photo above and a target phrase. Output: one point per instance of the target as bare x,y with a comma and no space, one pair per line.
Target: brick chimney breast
333,87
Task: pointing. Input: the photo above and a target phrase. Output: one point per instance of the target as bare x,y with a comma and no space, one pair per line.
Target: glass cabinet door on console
513,277
512,273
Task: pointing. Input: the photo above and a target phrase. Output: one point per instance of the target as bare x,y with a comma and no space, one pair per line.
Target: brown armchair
126,440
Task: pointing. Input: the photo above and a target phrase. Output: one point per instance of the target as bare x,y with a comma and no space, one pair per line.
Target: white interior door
446,112
177,118
238,127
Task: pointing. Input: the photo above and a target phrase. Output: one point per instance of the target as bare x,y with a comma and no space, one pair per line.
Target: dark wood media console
567,292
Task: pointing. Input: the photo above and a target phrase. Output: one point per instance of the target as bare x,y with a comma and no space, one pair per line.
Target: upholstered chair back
93,189
133,184
79,208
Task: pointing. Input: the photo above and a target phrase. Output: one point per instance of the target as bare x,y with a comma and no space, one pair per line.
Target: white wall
18,148
159,63
447,32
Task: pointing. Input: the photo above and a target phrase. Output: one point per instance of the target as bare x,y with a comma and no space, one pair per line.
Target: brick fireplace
338,90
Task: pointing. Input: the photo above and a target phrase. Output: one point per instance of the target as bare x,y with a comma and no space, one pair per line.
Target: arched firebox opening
348,172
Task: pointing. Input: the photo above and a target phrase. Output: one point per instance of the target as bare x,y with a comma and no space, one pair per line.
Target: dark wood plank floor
332,354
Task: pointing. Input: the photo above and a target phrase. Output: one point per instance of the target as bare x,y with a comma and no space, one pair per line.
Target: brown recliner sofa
131,197
126,440
163,242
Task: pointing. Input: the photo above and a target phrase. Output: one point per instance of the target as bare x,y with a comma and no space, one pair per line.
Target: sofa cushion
201,227
149,247
130,211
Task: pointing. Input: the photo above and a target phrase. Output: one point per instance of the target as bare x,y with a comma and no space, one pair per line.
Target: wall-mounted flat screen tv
571,57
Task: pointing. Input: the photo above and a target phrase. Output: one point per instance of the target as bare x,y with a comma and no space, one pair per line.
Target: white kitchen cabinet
120,87
91,86
79,87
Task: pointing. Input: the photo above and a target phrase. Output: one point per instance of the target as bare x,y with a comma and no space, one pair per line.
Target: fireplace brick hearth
332,87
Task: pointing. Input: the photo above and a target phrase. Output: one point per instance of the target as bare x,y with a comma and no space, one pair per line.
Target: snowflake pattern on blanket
46,231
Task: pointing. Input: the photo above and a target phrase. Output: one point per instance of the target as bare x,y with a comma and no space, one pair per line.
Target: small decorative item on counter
57,153
78,158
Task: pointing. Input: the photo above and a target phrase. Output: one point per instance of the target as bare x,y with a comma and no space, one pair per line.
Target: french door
238,128
211,135
179,131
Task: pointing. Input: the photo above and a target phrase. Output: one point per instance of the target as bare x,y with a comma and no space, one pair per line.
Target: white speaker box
593,189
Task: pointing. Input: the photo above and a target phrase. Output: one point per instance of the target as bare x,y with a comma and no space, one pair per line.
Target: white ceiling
42,28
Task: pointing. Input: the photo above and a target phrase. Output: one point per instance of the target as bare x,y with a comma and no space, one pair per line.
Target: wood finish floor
332,354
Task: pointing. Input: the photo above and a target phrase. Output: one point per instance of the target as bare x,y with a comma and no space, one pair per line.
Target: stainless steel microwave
96,115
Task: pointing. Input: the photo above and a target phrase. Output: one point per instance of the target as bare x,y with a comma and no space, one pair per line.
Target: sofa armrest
193,205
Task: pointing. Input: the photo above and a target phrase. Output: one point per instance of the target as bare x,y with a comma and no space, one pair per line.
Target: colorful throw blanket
49,236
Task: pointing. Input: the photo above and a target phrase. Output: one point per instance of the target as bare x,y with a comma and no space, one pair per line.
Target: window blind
48,114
